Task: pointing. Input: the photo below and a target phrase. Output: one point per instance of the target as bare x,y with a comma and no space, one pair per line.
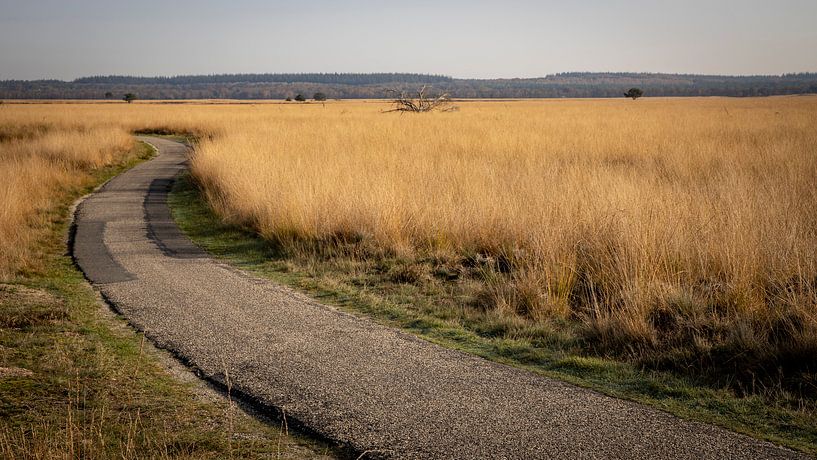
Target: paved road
366,386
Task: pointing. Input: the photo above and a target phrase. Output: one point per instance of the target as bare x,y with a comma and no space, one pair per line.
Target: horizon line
181,75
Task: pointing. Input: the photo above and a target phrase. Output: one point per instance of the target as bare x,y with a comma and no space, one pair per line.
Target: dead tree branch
403,102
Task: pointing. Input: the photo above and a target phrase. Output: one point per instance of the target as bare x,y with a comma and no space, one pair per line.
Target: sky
466,39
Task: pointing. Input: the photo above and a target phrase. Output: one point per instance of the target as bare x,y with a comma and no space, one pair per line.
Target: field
36,166
675,235
75,382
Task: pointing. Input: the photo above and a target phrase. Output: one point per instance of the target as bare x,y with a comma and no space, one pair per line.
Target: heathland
377,85
74,381
679,233
674,235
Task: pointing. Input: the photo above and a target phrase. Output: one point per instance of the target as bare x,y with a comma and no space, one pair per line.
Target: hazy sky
512,38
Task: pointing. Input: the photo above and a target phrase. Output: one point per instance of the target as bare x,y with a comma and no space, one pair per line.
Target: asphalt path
367,387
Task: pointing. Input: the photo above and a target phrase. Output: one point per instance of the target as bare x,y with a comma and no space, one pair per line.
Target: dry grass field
680,233
38,162
75,382
676,233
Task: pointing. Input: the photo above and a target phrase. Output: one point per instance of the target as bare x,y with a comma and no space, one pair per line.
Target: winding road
368,387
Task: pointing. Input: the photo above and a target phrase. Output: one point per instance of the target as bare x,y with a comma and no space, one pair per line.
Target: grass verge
76,382
390,296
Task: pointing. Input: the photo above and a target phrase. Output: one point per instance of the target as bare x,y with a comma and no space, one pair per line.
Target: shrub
634,93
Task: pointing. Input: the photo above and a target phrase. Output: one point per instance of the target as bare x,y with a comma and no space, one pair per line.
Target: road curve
368,387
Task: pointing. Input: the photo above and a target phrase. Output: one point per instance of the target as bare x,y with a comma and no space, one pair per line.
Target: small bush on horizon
634,93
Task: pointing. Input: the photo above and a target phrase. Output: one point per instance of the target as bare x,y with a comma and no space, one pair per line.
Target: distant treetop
634,93
326,78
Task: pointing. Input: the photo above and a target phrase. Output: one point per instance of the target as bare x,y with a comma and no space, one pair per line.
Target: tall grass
48,150
39,162
74,383
677,232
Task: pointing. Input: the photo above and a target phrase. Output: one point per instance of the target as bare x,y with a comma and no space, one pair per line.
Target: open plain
674,237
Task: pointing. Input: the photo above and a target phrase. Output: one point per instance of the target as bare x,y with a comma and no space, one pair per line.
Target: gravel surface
366,386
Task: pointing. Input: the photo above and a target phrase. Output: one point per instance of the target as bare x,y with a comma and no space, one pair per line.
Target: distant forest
355,79
377,85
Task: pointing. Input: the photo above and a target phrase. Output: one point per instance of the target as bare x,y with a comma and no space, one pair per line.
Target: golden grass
74,383
667,229
39,161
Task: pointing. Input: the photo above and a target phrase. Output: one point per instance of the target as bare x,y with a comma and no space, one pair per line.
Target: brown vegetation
675,233
74,382
678,233
403,102
39,162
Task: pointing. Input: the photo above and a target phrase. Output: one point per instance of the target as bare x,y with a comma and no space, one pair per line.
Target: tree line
325,78
565,85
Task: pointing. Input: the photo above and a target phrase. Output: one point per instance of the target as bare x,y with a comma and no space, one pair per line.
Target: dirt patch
20,293
22,307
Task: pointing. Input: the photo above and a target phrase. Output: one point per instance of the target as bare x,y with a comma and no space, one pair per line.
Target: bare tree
422,103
